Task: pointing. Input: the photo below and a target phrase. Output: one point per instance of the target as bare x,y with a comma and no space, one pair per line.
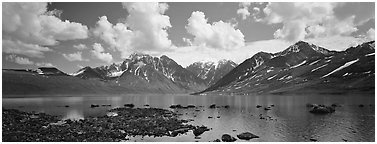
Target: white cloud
190,54
30,23
307,20
219,35
98,52
338,43
244,12
18,47
28,27
19,60
74,56
80,46
244,9
371,34
145,29
44,64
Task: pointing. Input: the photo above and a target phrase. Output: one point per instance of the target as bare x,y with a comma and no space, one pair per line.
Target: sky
70,36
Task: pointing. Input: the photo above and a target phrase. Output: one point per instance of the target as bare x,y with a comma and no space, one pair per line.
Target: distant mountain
141,71
211,72
302,68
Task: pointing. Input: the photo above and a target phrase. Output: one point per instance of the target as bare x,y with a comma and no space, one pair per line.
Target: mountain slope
211,72
302,68
141,71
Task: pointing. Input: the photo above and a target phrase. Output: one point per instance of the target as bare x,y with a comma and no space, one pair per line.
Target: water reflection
293,122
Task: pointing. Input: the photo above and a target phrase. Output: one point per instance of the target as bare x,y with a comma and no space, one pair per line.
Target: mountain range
301,68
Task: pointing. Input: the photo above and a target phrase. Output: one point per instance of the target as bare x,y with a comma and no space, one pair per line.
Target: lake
289,119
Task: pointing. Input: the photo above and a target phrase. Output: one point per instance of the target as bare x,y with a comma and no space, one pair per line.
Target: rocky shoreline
117,126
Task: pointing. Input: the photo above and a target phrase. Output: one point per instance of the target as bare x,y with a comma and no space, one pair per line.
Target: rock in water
227,138
212,106
258,106
322,109
247,136
129,105
198,131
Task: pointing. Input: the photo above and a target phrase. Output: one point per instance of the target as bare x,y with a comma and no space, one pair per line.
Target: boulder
258,106
94,105
200,130
216,140
212,106
247,136
322,109
129,105
227,138
267,108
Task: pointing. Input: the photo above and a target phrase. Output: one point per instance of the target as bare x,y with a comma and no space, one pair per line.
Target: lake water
291,120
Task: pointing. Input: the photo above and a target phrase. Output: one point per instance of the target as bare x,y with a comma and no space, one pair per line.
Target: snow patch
341,67
272,77
116,73
319,67
314,62
298,64
370,54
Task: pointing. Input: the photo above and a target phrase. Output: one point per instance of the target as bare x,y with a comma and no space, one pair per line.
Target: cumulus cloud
371,34
32,24
18,47
19,60
244,9
74,56
44,64
80,46
190,54
218,35
244,12
99,52
307,20
145,29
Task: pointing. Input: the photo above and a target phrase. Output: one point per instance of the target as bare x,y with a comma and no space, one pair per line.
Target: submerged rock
361,105
227,138
247,136
94,105
258,106
322,109
267,108
212,106
129,105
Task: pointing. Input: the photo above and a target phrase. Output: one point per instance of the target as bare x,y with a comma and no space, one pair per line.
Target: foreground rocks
123,123
227,138
247,136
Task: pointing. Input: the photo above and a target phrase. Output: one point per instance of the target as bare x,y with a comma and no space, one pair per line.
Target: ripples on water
291,120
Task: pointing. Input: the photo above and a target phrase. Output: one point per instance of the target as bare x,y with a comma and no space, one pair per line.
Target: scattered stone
361,105
94,105
345,140
129,105
227,138
217,140
176,106
200,130
191,106
218,116
197,110
258,106
210,117
212,106
147,105
226,106
66,106
267,108
234,130
197,137
309,105
322,109
106,105
247,136
312,139
272,105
